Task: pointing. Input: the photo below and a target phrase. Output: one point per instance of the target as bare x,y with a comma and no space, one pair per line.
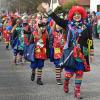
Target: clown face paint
77,16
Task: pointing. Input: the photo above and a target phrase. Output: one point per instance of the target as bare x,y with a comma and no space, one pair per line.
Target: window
98,8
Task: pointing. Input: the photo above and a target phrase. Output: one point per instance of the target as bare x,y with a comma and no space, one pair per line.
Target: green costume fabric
19,39
98,27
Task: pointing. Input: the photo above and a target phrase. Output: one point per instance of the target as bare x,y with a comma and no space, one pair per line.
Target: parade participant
7,33
27,32
89,18
18,41
32,23
94,24
4,25
80,39
98,27
39,38
1,31
58,44
26,28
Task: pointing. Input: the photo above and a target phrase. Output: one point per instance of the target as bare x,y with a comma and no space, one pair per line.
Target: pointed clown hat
78,9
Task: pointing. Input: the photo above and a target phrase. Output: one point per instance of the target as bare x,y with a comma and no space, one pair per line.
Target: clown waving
80,35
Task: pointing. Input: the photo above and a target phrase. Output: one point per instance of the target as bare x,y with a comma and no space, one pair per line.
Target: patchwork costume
57,48
39,54
18,42
80,40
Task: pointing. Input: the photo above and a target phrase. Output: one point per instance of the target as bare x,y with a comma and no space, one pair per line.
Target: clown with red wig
79,39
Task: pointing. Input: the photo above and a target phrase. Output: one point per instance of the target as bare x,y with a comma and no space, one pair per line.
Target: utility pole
0,6
0,3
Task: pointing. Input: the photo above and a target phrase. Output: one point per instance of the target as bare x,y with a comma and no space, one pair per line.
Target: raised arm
44,7
61,22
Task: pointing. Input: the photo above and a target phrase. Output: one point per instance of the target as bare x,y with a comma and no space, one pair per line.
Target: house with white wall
54,4
94,5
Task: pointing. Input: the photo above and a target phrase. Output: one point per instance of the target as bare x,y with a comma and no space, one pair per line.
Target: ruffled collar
77,24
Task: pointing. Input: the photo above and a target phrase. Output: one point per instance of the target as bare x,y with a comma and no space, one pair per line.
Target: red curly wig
79,9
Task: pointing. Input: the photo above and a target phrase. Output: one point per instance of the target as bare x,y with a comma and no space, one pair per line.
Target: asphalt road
15,83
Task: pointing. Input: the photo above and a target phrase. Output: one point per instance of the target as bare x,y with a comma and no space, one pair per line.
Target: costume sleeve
31,40
61,22
14,34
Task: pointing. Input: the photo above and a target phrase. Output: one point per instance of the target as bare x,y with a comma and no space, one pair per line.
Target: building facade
79,2
55,3
95,5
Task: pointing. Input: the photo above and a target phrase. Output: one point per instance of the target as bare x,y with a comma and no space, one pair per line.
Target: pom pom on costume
78,9
9,28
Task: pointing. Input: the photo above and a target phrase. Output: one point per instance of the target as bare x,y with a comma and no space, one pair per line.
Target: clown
78,30
18,42
58,44
39,37
7,36
0,31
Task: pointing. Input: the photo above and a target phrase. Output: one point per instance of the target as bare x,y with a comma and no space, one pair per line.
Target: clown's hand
43,7
91,54
46,6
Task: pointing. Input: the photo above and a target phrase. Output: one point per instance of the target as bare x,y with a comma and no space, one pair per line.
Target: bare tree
25,5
